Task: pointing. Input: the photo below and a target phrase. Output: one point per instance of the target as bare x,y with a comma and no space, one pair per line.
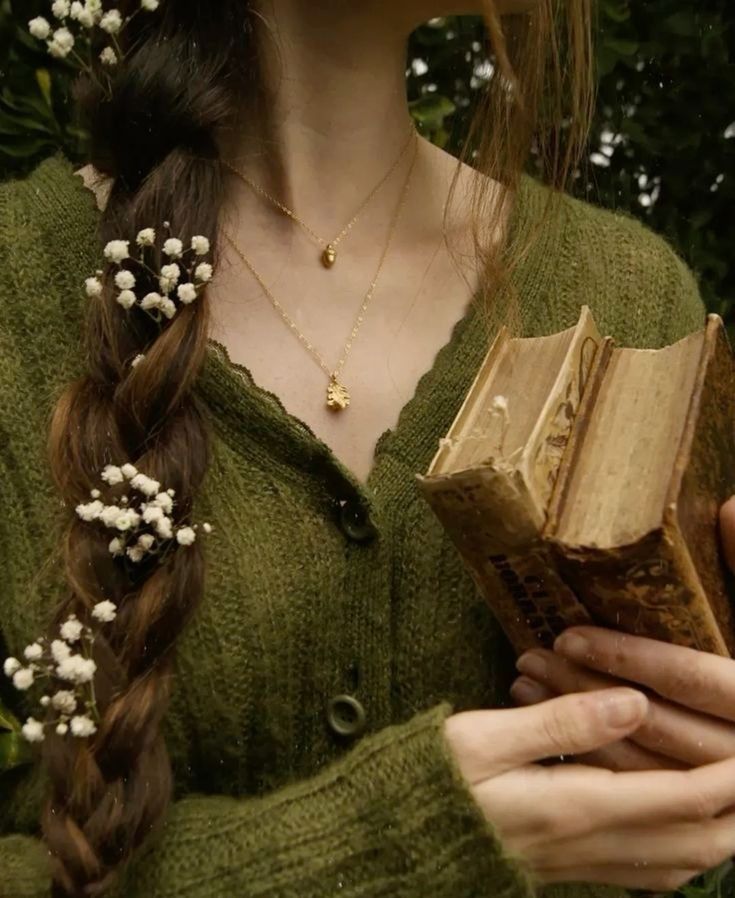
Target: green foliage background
662,145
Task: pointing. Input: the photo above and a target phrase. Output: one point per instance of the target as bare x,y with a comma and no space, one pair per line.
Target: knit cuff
392,817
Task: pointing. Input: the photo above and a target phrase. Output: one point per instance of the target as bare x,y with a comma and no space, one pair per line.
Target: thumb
488,743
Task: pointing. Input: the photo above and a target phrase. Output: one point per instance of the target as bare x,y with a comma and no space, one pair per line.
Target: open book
581,483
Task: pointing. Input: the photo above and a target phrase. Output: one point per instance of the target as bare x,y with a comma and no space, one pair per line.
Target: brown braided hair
187,72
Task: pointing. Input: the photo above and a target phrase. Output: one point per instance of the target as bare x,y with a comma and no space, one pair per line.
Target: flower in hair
67,668
80,24
181,278
143,526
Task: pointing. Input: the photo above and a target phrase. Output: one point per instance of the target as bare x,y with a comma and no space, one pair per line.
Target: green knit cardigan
327,600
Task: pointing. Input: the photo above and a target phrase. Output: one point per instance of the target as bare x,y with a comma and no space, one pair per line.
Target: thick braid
156,136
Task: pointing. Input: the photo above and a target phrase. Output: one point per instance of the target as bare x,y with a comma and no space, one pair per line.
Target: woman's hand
691,717
574,823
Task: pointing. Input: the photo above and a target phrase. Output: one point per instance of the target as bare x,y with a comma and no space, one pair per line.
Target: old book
492,478
593,496
650,459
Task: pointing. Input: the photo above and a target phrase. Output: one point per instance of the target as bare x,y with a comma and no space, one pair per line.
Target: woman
332,720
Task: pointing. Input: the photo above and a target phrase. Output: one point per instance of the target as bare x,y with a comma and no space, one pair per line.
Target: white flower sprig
77,24
179,278
144,526
69,699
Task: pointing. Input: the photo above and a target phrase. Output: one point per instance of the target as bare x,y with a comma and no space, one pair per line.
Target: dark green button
346,715
355,523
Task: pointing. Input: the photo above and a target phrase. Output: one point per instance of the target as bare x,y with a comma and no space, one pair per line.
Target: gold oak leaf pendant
329,256
337,396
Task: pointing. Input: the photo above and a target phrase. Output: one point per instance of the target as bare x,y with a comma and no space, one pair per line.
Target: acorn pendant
329,256
337,396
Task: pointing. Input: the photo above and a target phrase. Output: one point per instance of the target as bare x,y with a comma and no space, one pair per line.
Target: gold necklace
329,253
338,397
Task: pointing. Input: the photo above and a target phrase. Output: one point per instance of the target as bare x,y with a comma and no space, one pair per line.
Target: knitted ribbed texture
270,801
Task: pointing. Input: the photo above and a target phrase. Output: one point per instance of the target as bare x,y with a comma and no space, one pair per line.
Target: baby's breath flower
91,511
10,666
146,540
39,27
85,17
187,293
170,275
116,546
105,611
60,651
60,8
207,527
152,513
127,520
109,515
185,536
62,728
95,494
173,247
146,237
164,501
168,307
117,250
83,726
126,298
125,280
164,528
203,272
135,553
138,358
200,245
112,474
45,701
76,669
111,21
149,5
129,471
23,678
93,286
151,301
33,652
65,701
32,730
146,485
71,629
61,44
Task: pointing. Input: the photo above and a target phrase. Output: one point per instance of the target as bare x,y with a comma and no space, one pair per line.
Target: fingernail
532,664
572,644
526,691
622,708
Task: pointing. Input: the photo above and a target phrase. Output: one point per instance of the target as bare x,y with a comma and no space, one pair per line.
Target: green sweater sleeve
392,817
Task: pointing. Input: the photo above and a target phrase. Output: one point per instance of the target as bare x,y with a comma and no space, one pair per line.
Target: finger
668,729
621,755
664,881
727,531
701,846
698,680
494,741
571,800
625,755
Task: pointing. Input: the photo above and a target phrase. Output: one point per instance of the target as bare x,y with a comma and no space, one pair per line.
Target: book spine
645,589
489,516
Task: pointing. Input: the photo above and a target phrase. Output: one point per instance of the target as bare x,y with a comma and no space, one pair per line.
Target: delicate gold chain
337,394
329,255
